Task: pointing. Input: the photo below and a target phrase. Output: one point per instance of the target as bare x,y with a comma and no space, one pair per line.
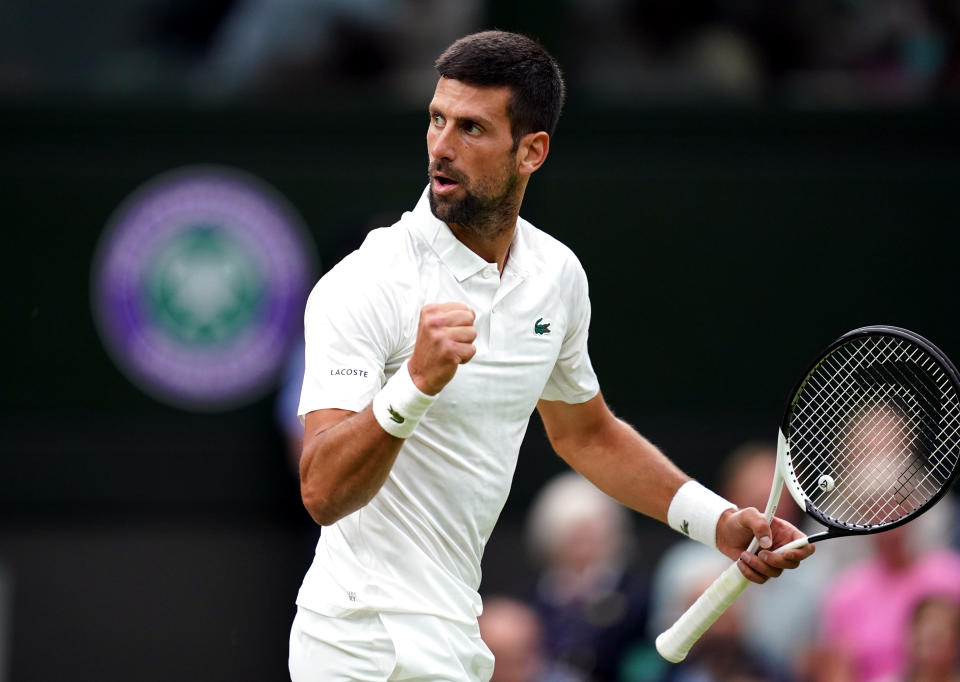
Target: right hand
445,339
736,530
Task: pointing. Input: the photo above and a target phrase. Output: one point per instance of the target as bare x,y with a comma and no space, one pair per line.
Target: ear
532,152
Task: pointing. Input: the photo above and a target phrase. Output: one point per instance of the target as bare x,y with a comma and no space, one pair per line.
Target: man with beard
454,325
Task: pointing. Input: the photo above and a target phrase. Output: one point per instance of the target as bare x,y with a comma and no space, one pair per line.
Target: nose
440,143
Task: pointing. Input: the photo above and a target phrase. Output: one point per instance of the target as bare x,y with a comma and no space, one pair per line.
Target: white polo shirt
416,547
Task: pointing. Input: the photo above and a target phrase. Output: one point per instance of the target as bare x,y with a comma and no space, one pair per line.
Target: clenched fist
445,339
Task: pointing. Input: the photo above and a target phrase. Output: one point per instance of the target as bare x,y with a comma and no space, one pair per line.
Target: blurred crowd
877,608
847,53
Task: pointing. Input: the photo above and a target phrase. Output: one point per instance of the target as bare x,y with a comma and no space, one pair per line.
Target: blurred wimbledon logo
198,287
203,286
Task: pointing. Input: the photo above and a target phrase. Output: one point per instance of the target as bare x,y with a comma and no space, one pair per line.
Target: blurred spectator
658,50
592,606
866,612
300,46
853,53
512,631
934,642
261,45
945,15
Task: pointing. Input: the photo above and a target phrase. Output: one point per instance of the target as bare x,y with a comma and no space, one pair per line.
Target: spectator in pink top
866,612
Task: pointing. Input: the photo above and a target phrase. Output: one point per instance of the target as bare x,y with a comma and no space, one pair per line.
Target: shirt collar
518,262
461,261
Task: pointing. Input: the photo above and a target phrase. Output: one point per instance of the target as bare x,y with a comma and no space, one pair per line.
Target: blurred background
743,181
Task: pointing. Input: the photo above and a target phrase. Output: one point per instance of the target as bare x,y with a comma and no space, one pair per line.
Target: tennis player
427,350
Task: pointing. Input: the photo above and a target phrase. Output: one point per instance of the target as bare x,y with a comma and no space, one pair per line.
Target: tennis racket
870,439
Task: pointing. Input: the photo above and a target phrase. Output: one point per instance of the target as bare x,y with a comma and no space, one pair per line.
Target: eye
472,128
437,119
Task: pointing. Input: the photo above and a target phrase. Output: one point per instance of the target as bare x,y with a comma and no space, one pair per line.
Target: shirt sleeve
573,379
349,332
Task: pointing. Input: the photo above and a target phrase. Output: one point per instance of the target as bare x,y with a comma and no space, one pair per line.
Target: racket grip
674,643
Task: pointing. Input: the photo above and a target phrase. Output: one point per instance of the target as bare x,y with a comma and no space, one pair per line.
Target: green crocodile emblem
685,527
541,328
394,415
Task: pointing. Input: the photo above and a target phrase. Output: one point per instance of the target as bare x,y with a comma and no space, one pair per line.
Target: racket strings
881,421
874,431
846,390
823,437
866,494
899,426
829,430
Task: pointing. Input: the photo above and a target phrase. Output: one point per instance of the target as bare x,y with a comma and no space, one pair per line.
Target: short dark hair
499,58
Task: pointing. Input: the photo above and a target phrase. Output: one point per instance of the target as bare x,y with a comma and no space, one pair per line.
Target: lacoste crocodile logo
394,415
541,328
685,527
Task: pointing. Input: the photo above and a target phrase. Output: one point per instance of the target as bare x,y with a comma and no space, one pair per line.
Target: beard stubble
483,212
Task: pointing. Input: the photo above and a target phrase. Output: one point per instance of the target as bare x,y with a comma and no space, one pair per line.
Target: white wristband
695,511
399,405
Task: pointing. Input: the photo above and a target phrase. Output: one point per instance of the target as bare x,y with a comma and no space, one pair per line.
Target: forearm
342,467
627,467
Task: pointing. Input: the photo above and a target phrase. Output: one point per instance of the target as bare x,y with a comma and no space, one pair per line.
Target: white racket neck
785,473
776,487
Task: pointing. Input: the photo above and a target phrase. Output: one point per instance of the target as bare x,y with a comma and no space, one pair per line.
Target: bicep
571,426
318,421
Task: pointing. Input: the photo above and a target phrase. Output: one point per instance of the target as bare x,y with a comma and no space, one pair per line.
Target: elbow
326,506
316,494
320,507
569,449
324,519
329,493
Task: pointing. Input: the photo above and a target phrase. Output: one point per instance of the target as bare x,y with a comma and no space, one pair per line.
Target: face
512,632
935,635
474,178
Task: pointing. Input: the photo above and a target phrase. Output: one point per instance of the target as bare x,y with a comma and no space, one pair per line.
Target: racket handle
674,643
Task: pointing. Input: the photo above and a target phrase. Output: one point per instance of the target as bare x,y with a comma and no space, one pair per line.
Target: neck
493,249
490,237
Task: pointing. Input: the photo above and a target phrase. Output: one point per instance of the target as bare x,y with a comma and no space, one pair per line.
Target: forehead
456,99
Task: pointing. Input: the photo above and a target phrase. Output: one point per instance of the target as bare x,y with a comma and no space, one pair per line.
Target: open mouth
443,183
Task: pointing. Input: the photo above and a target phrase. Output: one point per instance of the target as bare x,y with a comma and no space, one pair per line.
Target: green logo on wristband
685,527
394,415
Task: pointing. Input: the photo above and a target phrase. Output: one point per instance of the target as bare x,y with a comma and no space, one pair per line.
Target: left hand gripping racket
870,439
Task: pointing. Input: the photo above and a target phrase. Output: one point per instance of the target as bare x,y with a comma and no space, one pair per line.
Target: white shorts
385,647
